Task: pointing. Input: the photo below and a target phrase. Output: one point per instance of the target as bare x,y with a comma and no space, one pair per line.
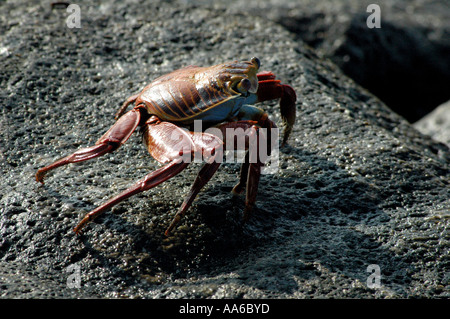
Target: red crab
221,97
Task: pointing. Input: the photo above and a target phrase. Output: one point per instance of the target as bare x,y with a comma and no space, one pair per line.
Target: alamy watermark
74,278
374,19
374,279
74,18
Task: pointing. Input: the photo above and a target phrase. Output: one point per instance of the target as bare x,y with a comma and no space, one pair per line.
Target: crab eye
244,85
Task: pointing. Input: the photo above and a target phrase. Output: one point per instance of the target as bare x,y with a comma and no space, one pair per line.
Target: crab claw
269,89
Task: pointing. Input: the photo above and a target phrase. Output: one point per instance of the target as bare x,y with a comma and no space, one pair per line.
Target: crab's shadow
301,222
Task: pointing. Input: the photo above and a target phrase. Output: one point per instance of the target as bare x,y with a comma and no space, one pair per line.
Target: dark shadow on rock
400,62
310,228
304,226
402,67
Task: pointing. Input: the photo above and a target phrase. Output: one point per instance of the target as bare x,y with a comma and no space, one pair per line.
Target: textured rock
404,62
358,185
436,124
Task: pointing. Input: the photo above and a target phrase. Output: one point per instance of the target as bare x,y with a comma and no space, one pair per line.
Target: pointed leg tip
172,225
40,177
78,229
237,190
169,229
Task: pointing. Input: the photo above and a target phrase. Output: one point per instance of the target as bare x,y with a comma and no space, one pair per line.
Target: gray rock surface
404,62
357,185
436,124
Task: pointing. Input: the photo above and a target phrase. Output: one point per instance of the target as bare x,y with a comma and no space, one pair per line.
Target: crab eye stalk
244,85
256,62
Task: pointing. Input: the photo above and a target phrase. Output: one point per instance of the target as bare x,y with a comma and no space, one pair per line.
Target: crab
220,97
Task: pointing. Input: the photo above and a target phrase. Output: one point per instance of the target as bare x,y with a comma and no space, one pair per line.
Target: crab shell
212,94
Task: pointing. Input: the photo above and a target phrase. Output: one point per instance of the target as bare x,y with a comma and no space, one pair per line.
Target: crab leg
203,177
239,187
249,174
253,175
151,180
259,117
124,106
250,169
163,142
210,146
268,89
110,141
